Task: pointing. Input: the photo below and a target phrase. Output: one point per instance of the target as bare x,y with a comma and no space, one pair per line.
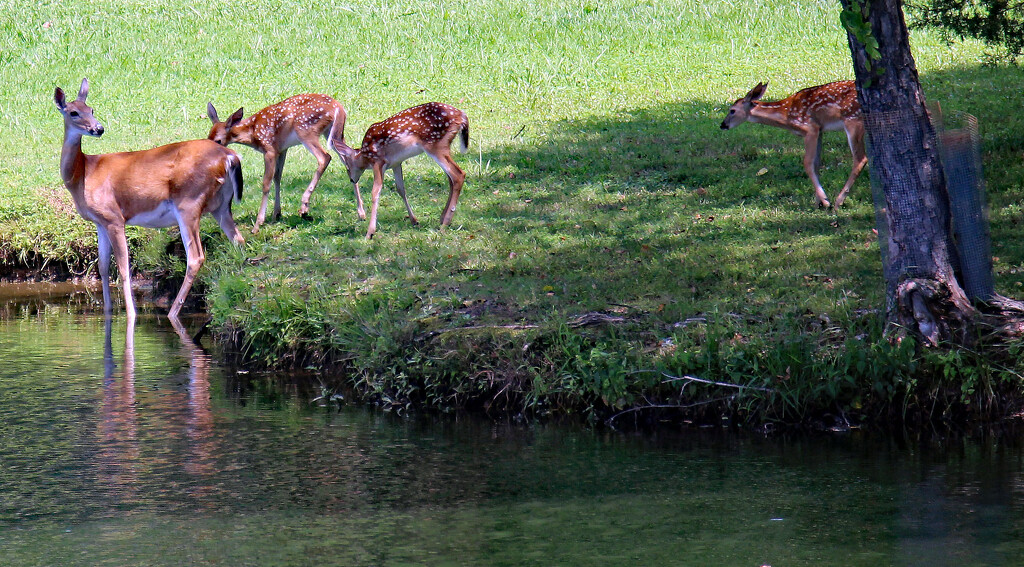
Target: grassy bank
610,238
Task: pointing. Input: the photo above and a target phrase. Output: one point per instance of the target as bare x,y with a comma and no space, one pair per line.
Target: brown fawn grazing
301,119
429,128
172,185
807,113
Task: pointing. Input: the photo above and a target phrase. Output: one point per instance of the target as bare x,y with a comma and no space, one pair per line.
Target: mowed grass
598,182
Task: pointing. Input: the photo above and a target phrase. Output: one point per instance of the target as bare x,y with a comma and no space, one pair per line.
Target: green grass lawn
598,181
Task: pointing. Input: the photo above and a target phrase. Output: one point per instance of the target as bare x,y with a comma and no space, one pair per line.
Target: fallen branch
667,406
438,332
689,378
593,318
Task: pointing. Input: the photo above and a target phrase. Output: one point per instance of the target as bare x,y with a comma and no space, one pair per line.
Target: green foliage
998,23
594,369
855,19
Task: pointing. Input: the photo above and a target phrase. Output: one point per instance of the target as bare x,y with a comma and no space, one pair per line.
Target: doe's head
78,115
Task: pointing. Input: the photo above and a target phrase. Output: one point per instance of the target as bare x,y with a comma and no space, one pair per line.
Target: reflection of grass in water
728,528
299,487
862,505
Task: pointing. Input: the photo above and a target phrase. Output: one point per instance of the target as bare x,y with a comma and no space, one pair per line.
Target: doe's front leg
103,264
119,245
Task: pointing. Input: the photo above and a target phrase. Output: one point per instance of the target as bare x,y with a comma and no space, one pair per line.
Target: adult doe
171,185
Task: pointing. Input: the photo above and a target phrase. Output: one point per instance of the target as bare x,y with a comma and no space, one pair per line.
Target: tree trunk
923,294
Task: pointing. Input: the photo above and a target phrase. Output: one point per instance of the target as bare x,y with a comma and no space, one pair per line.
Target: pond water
145,451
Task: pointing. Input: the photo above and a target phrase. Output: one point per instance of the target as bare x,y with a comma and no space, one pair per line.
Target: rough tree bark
922,290
924,295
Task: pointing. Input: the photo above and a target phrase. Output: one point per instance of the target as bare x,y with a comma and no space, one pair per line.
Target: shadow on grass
654,208
663,198
654,214
660,208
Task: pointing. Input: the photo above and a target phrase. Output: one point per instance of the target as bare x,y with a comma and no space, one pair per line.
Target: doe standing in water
171,185
301,119
429,128
807,113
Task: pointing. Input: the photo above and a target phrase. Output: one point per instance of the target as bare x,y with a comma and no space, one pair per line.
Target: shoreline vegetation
615,257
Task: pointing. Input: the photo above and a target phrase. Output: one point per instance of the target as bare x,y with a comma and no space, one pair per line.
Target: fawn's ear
83,91
234,118
211,112
58,98
756,93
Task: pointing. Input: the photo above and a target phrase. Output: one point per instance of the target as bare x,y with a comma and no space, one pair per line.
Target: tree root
1004,319
935,312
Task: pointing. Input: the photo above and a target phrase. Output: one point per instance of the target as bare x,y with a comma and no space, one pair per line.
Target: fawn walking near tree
807,113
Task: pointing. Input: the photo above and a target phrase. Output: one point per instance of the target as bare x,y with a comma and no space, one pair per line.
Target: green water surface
152,454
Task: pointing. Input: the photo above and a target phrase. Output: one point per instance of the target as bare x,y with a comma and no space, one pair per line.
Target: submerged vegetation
614,256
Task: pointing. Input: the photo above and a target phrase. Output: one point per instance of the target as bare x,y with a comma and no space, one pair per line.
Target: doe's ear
58,98
212,113
83,91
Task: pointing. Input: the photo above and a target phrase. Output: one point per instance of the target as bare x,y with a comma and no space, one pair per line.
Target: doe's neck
72,160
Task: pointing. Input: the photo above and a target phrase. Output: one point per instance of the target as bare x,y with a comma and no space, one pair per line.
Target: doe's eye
74,113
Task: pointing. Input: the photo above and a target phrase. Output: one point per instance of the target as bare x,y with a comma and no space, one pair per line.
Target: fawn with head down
428,128
807,113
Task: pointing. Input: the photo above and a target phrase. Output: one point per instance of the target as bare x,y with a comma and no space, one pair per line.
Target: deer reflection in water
119,432
199,419
138,436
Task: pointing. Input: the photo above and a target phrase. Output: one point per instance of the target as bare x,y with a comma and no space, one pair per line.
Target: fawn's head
221,131
739,112
355,163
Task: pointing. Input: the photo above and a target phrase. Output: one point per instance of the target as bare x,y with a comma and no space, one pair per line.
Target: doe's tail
235,176
464,137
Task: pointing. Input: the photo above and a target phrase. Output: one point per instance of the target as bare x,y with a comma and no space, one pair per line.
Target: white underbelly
162,216
291,140
403,154
835,125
